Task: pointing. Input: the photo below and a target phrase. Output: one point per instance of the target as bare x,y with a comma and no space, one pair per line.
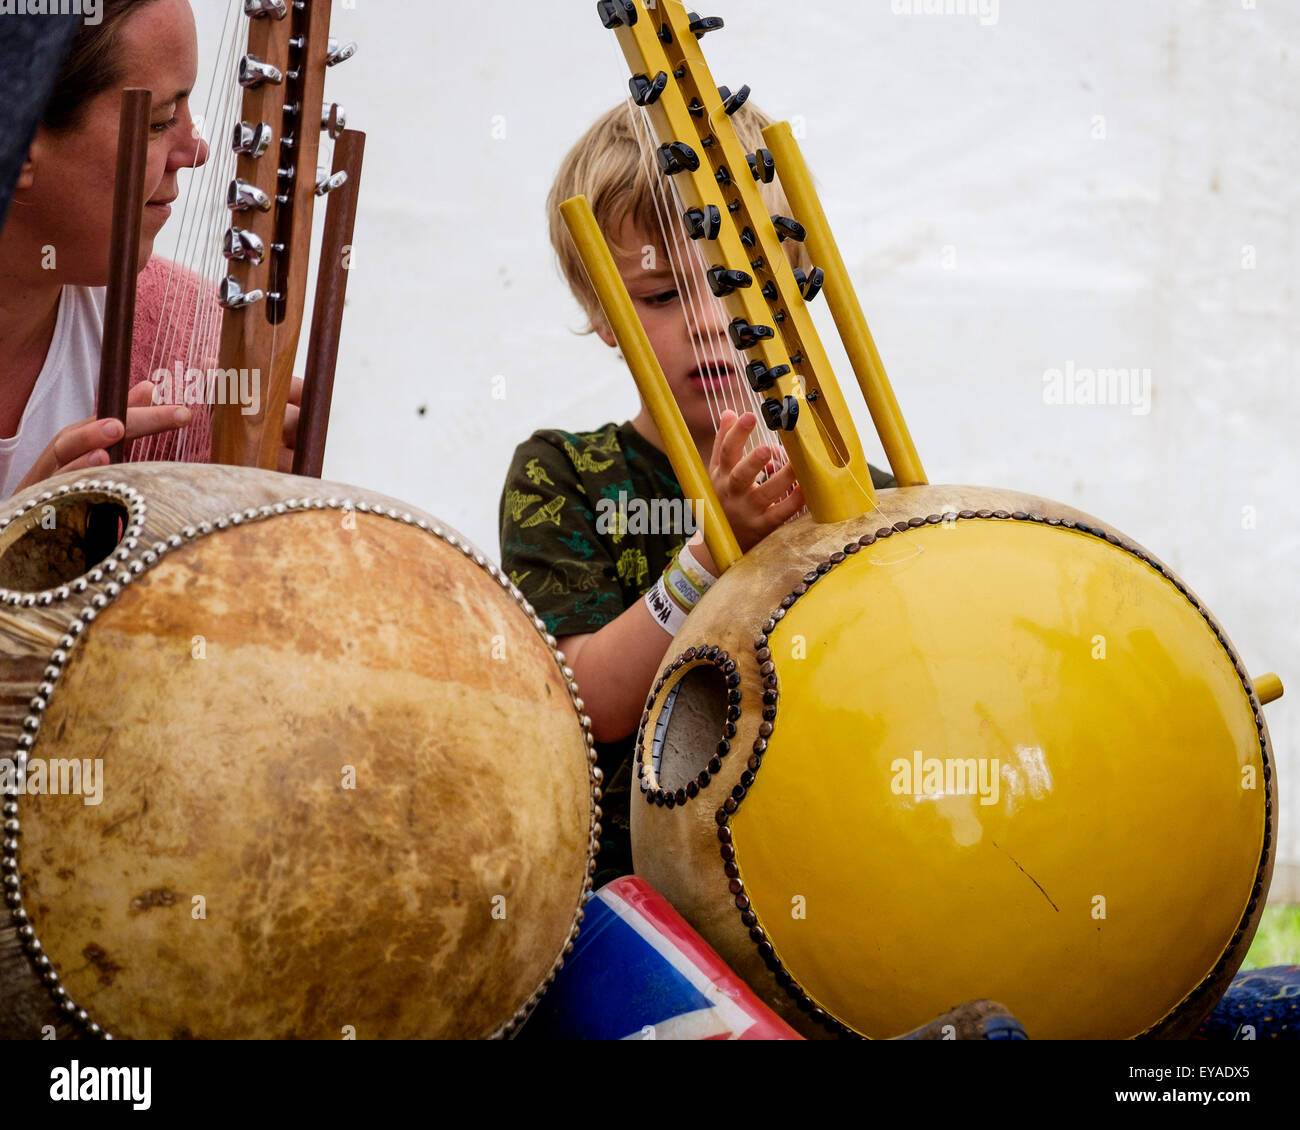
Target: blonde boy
592,521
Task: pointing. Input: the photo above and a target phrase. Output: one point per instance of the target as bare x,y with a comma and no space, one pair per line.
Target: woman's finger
81,439
289,435
151,421
90,459
141,395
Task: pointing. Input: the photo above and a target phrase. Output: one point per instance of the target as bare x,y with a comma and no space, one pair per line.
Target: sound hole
689,726
59,541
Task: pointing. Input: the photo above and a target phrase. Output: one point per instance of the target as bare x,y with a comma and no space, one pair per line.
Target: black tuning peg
701,27
723,281
733,102
645,90
787,228
703,223
810,285
676,157
781,414
761,378
762,165
616,13
745,336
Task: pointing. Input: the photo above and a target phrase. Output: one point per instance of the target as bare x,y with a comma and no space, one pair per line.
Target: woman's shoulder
176,319
160,271
172,294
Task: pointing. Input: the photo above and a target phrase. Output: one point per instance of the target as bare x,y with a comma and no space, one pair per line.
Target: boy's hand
753,509
85,445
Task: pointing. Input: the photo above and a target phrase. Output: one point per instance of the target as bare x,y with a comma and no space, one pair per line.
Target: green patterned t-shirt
576,518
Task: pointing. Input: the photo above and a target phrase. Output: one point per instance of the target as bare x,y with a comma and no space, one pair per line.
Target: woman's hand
289,438
85,445
753,509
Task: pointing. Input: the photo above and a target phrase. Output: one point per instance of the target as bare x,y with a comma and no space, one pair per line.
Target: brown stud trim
691,657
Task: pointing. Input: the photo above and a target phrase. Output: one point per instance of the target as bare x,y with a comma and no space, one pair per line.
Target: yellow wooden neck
712,175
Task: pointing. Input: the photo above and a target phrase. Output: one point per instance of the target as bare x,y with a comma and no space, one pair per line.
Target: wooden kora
936,744
233,311
271,198
245,801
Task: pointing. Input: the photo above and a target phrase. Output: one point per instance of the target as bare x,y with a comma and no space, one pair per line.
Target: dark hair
93,65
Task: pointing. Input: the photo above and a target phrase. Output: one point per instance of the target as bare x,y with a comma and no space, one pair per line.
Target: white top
66,389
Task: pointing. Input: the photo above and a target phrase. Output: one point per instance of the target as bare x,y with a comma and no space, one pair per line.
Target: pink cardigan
173,309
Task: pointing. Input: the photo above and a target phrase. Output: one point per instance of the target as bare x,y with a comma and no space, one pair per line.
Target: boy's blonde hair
609,166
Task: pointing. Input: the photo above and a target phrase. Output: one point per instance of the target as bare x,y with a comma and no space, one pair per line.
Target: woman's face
68,183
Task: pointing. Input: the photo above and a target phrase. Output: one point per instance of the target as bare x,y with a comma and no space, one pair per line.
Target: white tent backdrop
1018,188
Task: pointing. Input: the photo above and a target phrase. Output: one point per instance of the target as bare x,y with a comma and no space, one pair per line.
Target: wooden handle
327,314
259,341
124,260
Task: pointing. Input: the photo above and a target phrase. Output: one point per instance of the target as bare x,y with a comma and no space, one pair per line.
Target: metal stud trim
132,501
749,919
125,569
